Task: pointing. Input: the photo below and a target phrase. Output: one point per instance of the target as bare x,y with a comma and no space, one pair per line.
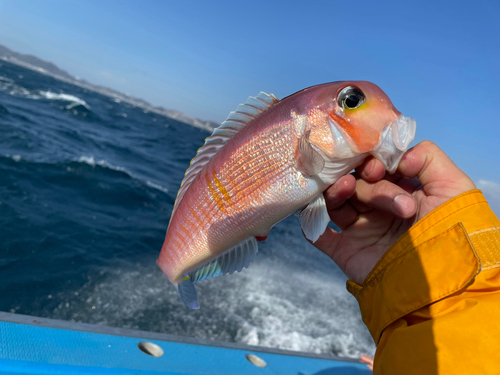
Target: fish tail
187,292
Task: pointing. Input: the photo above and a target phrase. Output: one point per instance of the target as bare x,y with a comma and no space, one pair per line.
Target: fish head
350,118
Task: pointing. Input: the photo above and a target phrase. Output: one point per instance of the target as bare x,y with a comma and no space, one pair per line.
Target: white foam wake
306,313
299,311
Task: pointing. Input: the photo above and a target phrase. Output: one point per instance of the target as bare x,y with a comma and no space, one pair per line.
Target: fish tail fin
187,292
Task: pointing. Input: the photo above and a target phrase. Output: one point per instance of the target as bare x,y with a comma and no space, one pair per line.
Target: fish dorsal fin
236,121
235,259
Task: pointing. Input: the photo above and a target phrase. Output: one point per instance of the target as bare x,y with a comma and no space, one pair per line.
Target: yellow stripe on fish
221,188
219,193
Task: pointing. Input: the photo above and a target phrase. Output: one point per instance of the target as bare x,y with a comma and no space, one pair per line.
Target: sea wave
74,100
156,186
10,86
3,110
16,158
103,163
90,160
5,79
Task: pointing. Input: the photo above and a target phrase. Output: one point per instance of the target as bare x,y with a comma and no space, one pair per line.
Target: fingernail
404,205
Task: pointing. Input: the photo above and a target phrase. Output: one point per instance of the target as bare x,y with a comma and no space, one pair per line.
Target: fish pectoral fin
314,218
187,293
309,161
234,259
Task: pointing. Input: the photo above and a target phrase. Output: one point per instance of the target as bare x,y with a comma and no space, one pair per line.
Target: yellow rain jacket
432,303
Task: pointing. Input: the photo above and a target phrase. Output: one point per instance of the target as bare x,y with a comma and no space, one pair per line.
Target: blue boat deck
30,345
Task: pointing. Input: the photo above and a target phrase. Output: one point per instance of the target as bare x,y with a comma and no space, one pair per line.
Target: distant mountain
48,68
33,60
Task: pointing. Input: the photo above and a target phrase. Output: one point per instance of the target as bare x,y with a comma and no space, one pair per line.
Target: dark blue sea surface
87,186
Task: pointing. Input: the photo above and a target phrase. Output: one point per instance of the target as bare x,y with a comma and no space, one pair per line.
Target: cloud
491,191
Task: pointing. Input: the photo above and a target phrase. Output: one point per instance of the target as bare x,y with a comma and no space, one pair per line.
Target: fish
268,160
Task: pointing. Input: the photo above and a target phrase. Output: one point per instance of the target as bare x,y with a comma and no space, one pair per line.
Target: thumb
437,173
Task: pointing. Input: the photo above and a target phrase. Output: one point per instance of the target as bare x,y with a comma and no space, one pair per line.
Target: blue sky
438,61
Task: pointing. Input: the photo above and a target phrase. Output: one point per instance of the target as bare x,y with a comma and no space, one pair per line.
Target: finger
338,193
359,205
344,216
371,169
431,165
367,360
386,196
340,211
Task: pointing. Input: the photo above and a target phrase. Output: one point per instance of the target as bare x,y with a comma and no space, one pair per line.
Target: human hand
367,360
373,209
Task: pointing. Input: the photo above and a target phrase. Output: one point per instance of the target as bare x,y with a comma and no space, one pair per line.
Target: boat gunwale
126,332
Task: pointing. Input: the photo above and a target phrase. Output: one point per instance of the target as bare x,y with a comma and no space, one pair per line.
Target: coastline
170,113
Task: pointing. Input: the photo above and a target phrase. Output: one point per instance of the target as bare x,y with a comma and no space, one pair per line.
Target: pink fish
268,160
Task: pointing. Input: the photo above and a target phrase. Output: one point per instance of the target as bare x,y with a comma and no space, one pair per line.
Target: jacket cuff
437,257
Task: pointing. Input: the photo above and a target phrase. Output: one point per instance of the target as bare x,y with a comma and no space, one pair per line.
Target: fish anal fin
314,218
233,260
187,293
309,161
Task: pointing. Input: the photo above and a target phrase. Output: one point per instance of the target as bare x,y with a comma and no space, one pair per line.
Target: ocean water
87,186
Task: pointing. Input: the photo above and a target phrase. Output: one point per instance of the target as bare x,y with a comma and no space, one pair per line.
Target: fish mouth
394,141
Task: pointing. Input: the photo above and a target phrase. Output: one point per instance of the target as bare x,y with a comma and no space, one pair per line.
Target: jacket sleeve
432,303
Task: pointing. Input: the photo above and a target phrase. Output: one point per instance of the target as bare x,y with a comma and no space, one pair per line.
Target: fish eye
351,97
